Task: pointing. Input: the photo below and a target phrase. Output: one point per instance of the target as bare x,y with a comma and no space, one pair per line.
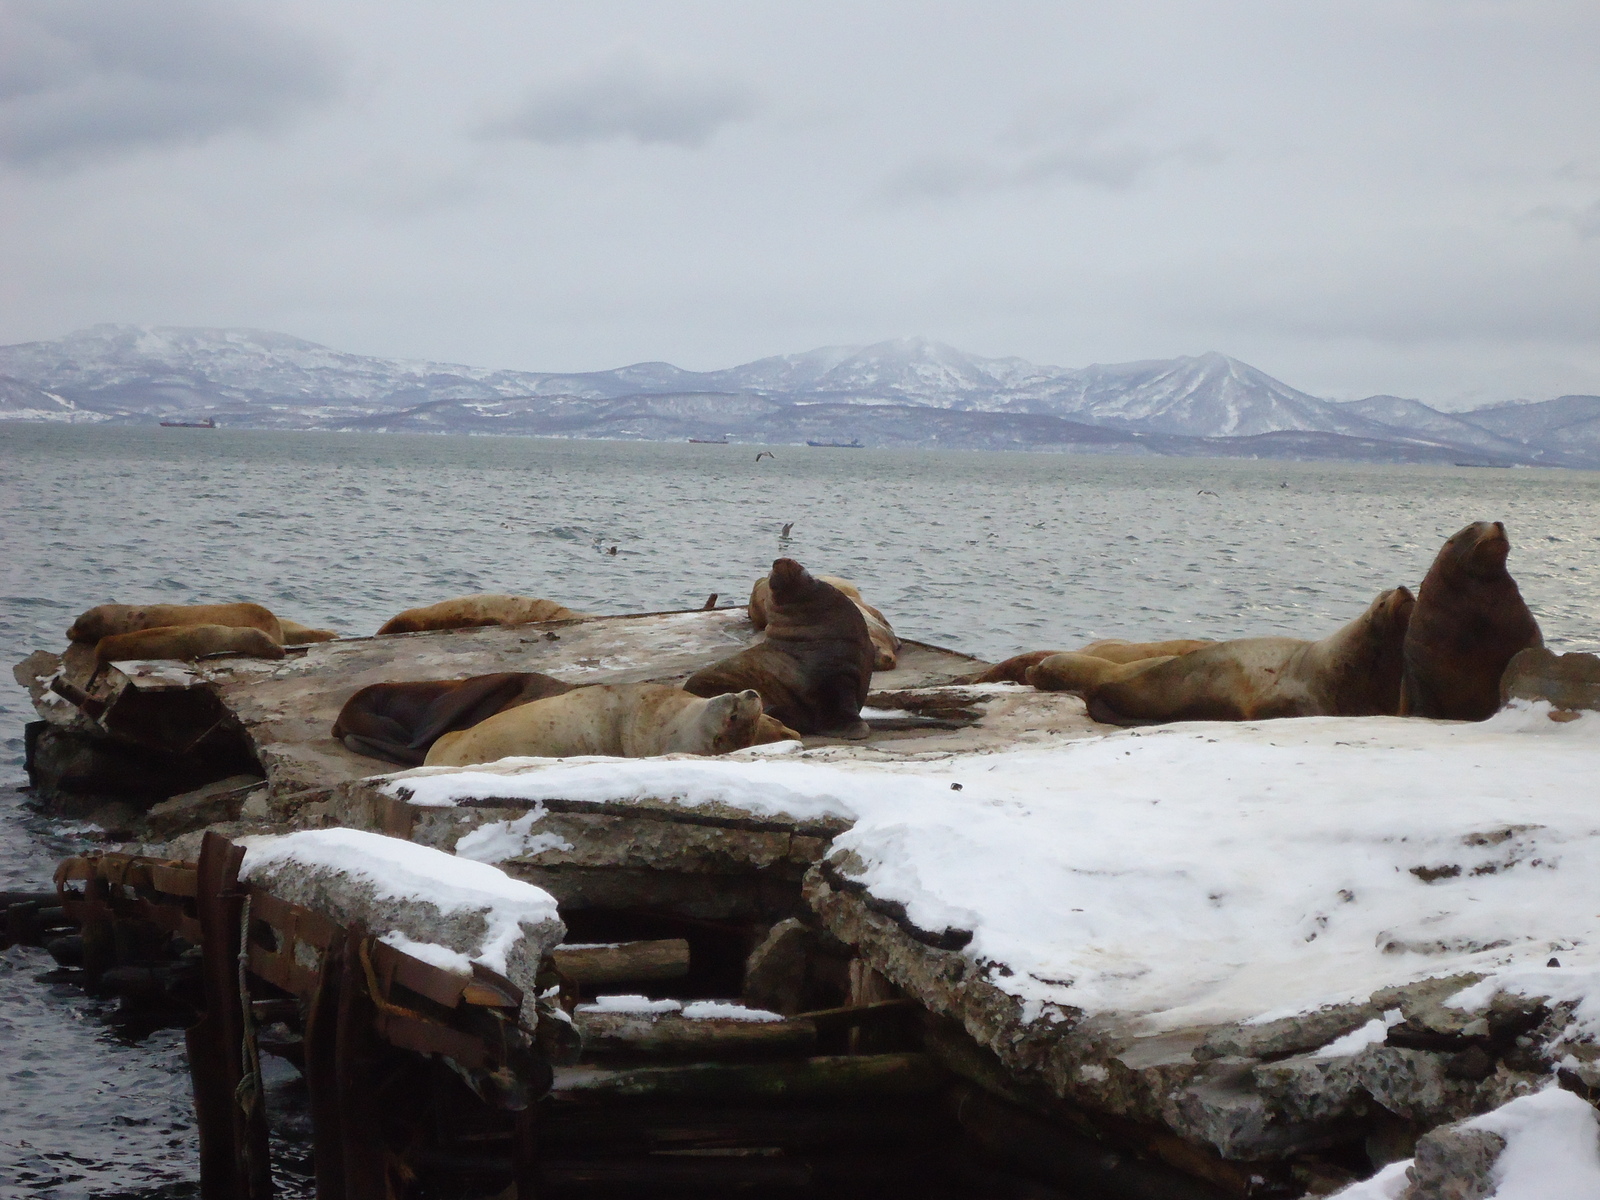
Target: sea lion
1470,620
296,634
1354,672
187,642
398,722
1015,669
107,620
770,729
814,669
1118,651
885,645
630,720
472,612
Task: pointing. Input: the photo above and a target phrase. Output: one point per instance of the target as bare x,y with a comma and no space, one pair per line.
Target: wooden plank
672,1036
625,962
854,1076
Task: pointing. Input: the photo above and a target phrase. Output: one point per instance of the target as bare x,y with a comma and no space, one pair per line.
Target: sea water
987,553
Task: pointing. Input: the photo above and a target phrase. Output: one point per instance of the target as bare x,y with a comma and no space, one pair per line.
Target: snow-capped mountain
254,379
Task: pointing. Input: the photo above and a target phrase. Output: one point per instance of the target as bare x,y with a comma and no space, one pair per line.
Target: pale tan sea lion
1354,672
107,620
472,612
885,645
1470,621
296,634
187,642
770,729
630,720
398,722
814,669
1119,651
1015,669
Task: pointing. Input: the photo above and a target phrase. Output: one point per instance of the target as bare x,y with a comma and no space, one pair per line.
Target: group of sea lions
1440,654
120,632
810,675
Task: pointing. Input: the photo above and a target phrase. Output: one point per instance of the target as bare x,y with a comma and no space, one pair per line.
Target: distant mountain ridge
1207,403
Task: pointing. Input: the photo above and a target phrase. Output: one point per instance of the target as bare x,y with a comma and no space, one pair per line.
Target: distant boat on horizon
852,444
722,441
208,423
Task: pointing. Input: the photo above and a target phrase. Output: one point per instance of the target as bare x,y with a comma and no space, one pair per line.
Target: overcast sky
1397,196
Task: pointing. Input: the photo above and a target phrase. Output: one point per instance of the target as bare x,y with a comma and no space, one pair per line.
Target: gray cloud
628,101
87,79
1072,139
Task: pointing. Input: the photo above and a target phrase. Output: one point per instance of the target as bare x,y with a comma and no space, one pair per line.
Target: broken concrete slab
215,802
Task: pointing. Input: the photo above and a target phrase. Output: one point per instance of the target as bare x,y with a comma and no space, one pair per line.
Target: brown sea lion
1354,672
296,634
1015,669
187,642
770,729
814,669
885,645
107,620
397,722
472,612
1470,620
630,720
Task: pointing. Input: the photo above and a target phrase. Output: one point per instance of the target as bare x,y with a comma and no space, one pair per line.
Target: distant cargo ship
852,444
208,423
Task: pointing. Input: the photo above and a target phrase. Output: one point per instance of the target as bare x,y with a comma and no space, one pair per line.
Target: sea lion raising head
107,620
885,645
473,612
631,720
1354,672
815,667
398,722
1470,620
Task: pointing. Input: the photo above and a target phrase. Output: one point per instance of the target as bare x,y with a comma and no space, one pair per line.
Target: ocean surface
987,553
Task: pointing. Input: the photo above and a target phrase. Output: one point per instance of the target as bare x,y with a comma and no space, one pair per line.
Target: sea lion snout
1481,548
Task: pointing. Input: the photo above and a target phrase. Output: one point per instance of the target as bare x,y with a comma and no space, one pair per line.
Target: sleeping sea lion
397,722
1118,651
472,612
885,645
107,620
296,634
187,642
1015,669
1354,672
814,669
1470,620
629,720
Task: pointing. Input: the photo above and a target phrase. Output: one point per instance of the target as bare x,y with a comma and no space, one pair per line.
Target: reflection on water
988,553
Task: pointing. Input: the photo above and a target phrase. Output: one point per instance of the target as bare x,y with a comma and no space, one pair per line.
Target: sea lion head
96,623
1390,612
732,719
790,581
1479,550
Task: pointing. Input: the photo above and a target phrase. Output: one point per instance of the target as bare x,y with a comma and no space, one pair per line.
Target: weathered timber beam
625,962
829,1020
845,1076
827,1125
1030,1145
669,1035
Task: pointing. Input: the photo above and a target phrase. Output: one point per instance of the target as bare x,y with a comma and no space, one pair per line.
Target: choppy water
988,553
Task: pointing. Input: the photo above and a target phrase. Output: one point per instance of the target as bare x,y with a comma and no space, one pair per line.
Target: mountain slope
250,378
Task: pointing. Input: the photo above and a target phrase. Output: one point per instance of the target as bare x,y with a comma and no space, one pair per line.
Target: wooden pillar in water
231,1119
